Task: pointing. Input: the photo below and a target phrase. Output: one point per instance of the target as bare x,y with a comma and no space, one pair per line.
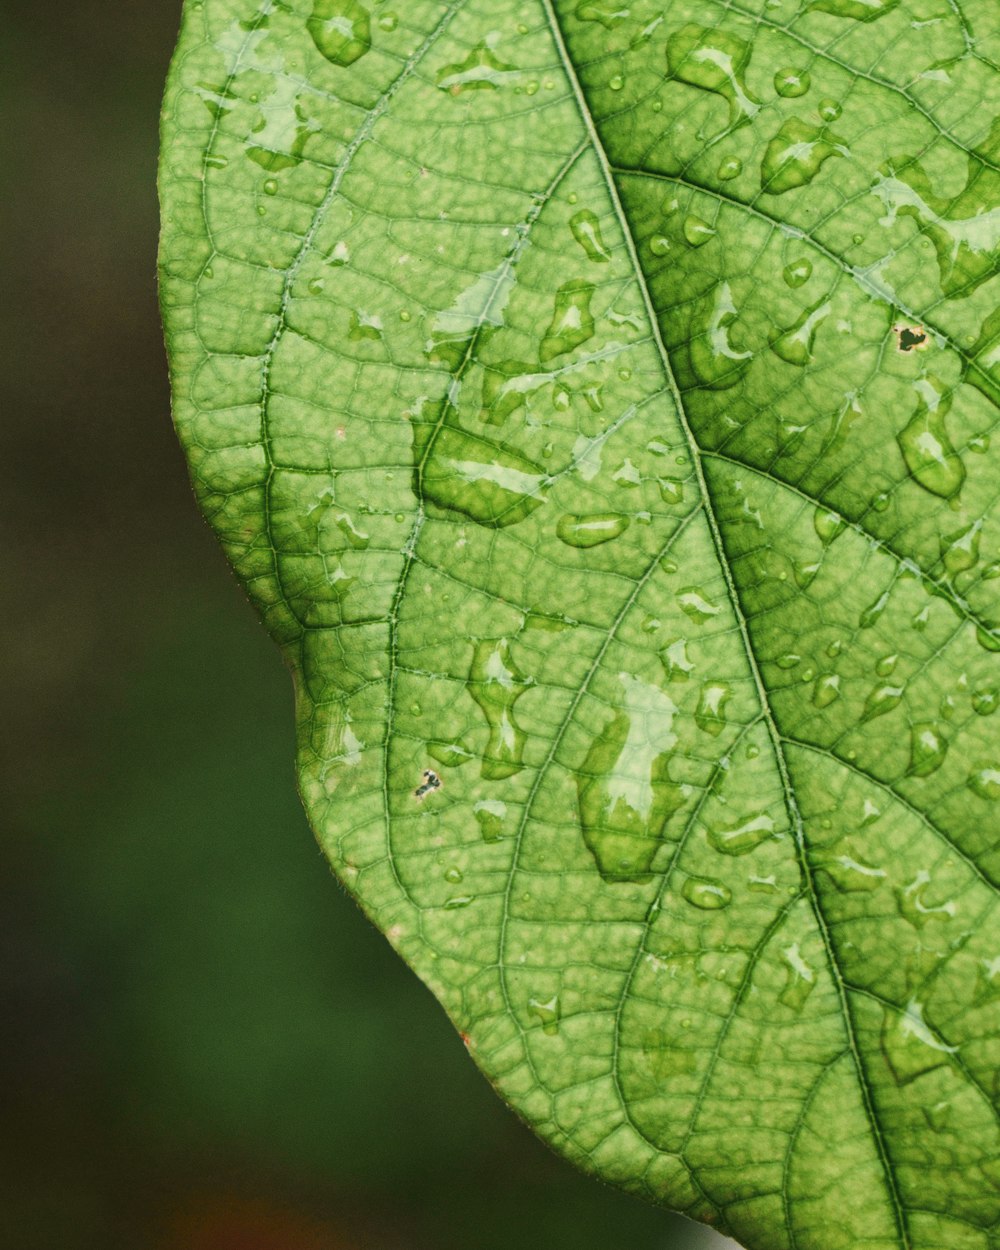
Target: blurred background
203,1044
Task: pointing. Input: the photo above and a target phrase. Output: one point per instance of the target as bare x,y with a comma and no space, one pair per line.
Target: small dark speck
430,782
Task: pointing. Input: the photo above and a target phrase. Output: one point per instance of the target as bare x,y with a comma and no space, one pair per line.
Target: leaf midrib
791,804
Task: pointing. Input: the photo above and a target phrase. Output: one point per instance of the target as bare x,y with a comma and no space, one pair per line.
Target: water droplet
715,61
800,979
798,272
388,21
451,754
624,788
826,690
886,665
985,700
674,659
882,700
546,1012
860,10
788,660
984,781
490,815
730,168
928,748
364,325
480,70
572,321
586,228
964,229
591,531
610,13
341,30
216,161
827,525
697,231
315,287
671,490
852,875
743,837
716,363
795,155
468,474
989,641
829,109
870,616
707,894
711,713
909,1045
659,245
960,550
459,901
616,83
930,457
453,875
496,684
795,345
697,605
791,82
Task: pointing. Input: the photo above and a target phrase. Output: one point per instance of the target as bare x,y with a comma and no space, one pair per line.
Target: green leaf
596,400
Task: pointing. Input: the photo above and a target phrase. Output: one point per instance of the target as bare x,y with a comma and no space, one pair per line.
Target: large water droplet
798,272
800,979
697,605
985,700
741,838
624,788
340,29
546,1012
707,894
795,155
592,530
716,61
928,748
930,457
827,525
716,363
572,321
496,684
909,1045
674,659
860,10
960,550
795,345
490,815
711,713
851,875
480,70
586,227
457,470
881,701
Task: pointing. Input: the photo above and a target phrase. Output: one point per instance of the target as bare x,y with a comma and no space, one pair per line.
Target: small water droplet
659,245
316,286
827,525
788,660
829,109
798,272
826,690
960,550
388,21
451,754
674,659
886,665
800,979
851,875
453,875
572,321
616,83
480,70
790,82
870,616
985,700
730,168
707,894
909,1045
671,490
458,901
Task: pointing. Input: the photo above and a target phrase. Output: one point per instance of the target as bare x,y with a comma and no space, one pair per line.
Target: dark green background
204,1044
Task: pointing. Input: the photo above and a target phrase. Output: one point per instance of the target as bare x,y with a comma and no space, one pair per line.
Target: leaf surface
596,398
